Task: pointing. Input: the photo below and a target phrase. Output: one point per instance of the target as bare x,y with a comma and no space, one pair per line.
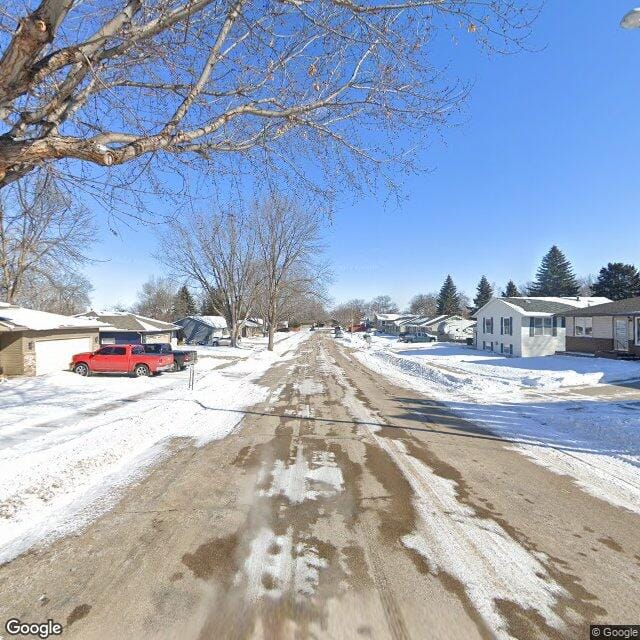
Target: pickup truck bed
182,357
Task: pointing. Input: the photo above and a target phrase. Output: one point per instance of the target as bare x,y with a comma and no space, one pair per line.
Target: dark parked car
182,358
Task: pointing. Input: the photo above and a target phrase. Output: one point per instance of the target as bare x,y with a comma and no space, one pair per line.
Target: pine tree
184,304
617,281
511,291
484,293
448,298
555,276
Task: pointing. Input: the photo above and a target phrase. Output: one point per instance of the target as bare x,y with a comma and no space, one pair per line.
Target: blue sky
545,152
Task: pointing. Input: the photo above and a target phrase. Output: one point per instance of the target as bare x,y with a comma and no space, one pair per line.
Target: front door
620,334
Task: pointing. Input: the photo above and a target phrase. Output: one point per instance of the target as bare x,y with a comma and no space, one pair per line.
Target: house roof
215,322
422,321
14,318
125,321
252,322
628,306
388,316
546,305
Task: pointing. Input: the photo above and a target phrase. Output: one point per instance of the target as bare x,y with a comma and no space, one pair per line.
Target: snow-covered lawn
68,443
558,410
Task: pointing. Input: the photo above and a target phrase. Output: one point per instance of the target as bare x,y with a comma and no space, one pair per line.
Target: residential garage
36,343
54,354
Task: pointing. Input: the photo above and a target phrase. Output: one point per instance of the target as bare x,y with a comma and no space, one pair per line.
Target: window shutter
563,322
531,324
484,325
555,326
501,325
511,326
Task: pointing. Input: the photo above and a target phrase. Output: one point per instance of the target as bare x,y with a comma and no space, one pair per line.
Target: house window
510,349
543,326
507,326
583,327
488,325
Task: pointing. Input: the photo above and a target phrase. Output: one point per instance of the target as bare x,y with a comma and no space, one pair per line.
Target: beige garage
36,343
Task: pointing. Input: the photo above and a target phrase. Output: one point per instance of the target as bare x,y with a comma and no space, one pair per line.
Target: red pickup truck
123,358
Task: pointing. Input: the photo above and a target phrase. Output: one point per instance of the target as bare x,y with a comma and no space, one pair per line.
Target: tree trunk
272,323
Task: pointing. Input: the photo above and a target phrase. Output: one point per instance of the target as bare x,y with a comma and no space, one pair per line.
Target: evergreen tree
184,304
448,298
617,281
555,276
484,293
511,291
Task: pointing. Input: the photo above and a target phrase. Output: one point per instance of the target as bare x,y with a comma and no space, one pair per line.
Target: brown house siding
588,345
596,345
11,354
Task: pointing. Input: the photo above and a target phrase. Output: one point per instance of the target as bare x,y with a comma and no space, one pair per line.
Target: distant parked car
218,341
338,333
125,358
182,358
417,337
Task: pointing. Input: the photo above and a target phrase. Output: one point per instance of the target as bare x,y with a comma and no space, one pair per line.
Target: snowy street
328,490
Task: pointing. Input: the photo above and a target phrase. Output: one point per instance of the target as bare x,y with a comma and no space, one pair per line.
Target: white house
456,328
526,326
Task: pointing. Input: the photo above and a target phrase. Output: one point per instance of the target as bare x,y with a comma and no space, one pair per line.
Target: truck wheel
140,370
82,369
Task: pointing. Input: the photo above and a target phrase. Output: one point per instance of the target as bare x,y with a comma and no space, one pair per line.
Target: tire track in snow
477,552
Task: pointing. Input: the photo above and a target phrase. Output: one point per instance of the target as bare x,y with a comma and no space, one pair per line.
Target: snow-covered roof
388,316
545,305
422,321
126,321
627,306
13,318
251,322
215,322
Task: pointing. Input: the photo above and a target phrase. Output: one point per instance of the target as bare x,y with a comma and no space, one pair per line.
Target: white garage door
55,355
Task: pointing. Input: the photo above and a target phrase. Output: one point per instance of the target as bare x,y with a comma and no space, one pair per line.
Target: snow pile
59,477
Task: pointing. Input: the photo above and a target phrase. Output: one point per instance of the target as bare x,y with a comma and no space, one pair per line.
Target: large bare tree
217,251
288,244
157,299
107,82
44,237
67,292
